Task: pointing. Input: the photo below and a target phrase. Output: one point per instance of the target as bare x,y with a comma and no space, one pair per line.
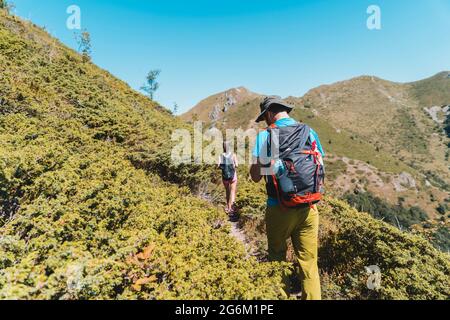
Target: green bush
88,204
411,268
396,215
89,208
350,241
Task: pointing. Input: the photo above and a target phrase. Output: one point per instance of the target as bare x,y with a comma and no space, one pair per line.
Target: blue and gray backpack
301,181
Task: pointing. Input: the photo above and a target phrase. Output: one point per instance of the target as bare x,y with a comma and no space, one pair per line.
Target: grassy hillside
366,165
392,117
383,137
434,91
350,241
91,208
84,212
243,114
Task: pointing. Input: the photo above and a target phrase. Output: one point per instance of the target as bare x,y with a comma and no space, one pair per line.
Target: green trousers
302,226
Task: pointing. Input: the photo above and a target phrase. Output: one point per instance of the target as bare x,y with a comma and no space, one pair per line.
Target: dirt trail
237,233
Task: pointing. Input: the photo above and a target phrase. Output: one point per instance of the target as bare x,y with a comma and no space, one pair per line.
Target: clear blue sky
278,47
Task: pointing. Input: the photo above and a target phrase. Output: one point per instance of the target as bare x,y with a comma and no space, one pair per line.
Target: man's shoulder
263,134
260,143
314,133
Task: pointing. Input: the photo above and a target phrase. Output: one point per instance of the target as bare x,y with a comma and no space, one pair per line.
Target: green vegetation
335,168
350,241
434,91
437,232
411,268
443,208
84,218
88,208
236,120
92,208
346,145
380,209
437,180
441,238
378,122
411,138
175,108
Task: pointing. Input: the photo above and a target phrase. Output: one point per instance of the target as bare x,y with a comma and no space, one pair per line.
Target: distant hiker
289,157
228,163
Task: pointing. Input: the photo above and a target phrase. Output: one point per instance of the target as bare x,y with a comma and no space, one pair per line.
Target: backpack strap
303,142
269,138
275,183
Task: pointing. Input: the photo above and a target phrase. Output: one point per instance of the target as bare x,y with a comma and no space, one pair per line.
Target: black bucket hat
270,102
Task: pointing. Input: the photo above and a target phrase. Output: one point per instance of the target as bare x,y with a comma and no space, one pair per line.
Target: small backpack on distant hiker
300,181
228,168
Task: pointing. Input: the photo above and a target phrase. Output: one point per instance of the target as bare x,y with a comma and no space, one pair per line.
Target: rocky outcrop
215,114
404,181
438,113
230,101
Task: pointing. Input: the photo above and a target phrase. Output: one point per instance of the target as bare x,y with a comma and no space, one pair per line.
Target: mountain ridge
439,75
400,127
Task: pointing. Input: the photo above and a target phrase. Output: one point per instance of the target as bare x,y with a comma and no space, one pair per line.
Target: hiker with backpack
289,156
228,163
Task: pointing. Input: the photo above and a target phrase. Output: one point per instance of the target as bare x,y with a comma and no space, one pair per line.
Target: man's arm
255,172
255,169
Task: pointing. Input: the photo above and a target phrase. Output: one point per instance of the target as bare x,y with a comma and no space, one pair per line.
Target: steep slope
350,241
91,208
434,91
391,116
84,210
220,110
361,163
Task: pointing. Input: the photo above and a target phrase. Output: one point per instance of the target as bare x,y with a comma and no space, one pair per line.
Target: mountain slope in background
391,116
219,109
383,137
92,208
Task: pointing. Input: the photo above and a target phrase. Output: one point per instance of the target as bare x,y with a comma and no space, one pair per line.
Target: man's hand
255,172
